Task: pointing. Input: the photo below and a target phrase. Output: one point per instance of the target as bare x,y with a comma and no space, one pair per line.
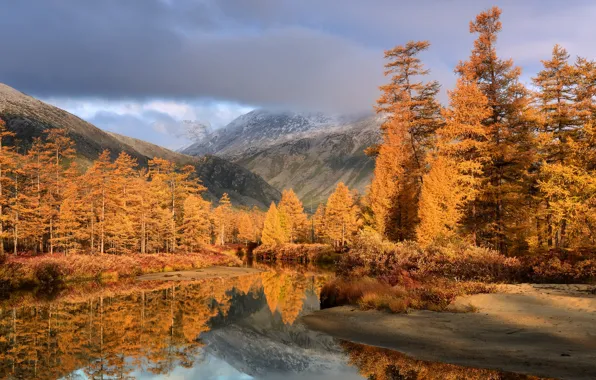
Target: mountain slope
28,118
217,174
309,153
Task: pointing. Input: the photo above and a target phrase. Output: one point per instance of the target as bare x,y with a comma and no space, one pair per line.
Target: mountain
218,175
28,118
310,153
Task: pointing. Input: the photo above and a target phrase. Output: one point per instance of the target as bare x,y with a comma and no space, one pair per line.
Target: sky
141,67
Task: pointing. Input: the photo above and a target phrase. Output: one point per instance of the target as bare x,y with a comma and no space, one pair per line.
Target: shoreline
215,271
542,330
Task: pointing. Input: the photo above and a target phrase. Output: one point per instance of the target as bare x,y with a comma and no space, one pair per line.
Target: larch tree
196,227
341,216
7,164
318,224
502,212
58,150
245,227
294,216
412,116
223,219
449,193
272,231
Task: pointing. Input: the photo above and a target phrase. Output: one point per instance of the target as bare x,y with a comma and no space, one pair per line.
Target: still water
240,328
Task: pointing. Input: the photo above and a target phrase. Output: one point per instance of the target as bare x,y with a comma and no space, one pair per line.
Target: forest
505,166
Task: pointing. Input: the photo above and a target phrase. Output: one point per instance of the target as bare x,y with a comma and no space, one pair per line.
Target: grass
296,252
434,294
50,270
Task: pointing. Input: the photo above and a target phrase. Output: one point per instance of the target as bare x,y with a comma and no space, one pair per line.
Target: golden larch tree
412,114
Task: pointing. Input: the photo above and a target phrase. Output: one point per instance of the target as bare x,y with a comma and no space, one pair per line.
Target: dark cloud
306,54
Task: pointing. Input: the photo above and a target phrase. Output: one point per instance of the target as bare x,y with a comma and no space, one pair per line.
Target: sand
543,330
199,274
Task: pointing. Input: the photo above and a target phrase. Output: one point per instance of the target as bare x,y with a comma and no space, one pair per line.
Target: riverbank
18,272
544,330
200,274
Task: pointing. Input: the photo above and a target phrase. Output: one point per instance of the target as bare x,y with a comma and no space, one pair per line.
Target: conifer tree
6,165
196,227
449,193
502,215
245,227
294,217
319,224
223,219
341,218
272,231
412,116
58,149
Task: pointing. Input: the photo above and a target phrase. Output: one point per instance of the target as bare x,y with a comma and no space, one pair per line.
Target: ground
544,330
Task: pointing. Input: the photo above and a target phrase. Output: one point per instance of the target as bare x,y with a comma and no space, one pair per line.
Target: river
241,328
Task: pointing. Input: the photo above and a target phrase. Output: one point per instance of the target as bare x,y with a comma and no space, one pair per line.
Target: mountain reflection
239,328
133,331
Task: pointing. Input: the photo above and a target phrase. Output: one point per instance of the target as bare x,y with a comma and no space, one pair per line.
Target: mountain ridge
309,154
29,117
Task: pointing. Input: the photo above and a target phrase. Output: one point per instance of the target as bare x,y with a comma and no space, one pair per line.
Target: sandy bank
545,330
199,274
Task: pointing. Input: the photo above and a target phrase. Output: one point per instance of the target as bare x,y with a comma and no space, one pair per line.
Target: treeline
504,166
49,203
334,222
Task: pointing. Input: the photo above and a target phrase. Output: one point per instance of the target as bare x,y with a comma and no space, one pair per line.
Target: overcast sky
139,67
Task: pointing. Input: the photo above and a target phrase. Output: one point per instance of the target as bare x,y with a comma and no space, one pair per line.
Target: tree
6,165
413,115
294,216
319,223
449,193
341,220
196,227
272,232
223,219
245,227
502,212
58,149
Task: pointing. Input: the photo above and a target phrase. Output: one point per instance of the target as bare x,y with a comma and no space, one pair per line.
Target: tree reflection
115,333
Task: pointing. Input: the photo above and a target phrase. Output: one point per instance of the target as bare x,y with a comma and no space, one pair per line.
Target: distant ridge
28,118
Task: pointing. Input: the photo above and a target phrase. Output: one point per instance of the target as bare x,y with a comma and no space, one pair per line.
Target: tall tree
293,210
6,165
449,193
412,116
272,232
59,150
223,219
341,218
196,227
503,208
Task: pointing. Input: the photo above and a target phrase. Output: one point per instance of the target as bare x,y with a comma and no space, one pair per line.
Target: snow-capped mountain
309,152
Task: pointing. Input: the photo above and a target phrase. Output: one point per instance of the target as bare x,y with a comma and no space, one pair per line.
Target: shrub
49,273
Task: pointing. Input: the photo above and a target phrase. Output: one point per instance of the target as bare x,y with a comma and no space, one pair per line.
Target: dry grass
47,270
435,294
296,252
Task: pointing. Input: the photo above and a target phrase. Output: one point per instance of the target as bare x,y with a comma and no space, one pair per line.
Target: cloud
168,123
311,54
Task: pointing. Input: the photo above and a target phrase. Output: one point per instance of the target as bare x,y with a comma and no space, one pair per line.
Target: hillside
310,153
28,118
217,174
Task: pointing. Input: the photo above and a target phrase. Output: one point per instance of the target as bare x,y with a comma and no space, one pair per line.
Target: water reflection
230,329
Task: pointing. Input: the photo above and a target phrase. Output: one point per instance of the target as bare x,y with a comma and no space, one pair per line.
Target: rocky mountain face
310,153
28,118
